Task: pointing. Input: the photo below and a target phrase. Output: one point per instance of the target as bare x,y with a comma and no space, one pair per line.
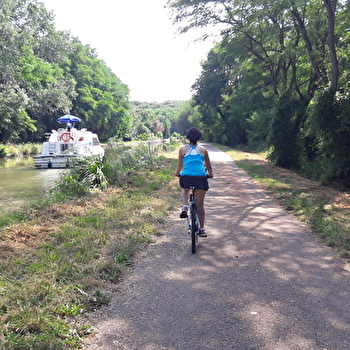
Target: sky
138,42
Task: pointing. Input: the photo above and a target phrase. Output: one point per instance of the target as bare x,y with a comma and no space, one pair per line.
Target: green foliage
144,136
26,79
46,73
183,120
102,99
97,173
3,152
81,176
124,160
69,186
284,132
155,119
258,127
328,130
259,83
18,150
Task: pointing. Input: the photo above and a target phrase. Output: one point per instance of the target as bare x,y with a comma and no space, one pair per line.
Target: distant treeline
277,81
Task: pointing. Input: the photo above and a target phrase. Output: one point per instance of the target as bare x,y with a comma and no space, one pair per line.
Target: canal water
21,182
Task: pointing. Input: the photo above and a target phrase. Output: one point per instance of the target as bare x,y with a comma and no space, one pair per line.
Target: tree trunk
331,7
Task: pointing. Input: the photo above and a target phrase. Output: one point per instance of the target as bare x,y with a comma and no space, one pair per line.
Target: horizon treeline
277,80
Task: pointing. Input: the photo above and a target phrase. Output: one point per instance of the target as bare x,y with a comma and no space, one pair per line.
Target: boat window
95,141
65,146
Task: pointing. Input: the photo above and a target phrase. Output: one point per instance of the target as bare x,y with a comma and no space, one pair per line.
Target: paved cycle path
259,281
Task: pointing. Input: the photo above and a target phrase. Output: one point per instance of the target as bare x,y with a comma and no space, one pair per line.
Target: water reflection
17,162
21,182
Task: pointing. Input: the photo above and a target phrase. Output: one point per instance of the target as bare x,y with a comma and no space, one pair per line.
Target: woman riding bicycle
194,161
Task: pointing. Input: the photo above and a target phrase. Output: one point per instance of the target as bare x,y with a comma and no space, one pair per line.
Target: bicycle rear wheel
194,227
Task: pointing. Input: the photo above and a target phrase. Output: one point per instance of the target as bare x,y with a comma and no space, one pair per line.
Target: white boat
64,145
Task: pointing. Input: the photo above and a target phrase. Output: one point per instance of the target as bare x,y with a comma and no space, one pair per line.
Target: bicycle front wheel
194,228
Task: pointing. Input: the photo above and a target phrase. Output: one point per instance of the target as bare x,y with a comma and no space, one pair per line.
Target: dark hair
193,135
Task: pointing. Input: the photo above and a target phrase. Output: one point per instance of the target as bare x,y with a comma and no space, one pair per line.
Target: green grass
61,260
324,210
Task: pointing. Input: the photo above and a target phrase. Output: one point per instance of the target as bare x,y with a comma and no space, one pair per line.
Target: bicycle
193,183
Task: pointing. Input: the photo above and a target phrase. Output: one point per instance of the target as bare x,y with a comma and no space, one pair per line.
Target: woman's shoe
183,213
202,233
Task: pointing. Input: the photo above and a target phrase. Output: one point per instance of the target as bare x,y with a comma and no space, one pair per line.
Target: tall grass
126,159
19,150
116,168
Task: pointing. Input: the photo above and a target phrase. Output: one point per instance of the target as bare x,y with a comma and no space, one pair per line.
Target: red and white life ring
66,137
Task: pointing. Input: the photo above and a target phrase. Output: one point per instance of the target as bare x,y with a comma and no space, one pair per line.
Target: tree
13,99
40,87
183,119
292,49
45,73
155,117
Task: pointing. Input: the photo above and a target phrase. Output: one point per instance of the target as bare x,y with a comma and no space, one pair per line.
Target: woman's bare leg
200,195
185,195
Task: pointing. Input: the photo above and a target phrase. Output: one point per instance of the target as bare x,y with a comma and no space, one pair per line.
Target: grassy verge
323,209
18,150
61,260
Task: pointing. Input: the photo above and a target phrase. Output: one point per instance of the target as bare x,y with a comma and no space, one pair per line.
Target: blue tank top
193,163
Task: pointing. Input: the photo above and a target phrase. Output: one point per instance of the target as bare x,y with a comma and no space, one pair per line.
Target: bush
98,173
327,142
126,159
83,175
18,150
144,137
3,152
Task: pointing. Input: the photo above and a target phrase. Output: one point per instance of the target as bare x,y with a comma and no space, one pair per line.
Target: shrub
97,173
3,152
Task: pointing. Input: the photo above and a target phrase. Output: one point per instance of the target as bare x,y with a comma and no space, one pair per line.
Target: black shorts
196,182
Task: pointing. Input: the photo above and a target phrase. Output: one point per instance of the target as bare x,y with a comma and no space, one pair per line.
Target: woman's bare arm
180,163
208,163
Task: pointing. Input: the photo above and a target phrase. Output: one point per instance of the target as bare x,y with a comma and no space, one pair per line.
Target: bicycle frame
193,219
193,183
